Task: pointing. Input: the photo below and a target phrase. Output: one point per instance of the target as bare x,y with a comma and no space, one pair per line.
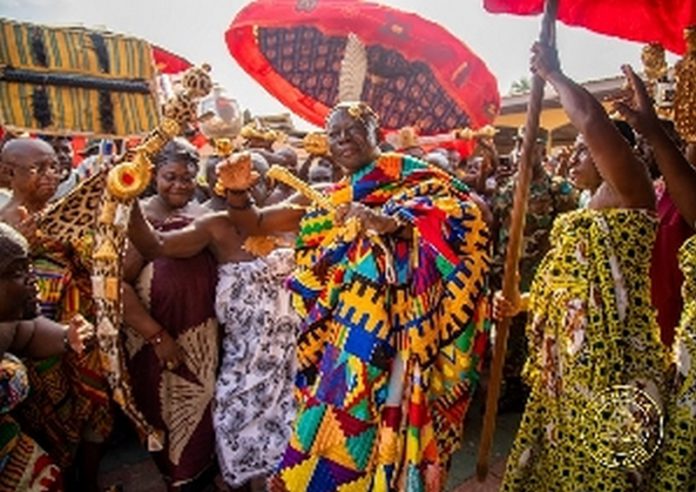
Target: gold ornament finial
685,93
255,130
223,147
316,144
654,61
487,131
129,179
660,86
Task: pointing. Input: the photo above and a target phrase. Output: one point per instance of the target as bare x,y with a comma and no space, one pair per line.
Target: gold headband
357,110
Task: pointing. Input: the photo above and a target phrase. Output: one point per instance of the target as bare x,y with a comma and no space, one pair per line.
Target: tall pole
519,209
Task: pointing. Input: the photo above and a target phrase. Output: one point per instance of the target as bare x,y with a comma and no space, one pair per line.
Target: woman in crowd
171,334
254,404
674,468
591,329
24,465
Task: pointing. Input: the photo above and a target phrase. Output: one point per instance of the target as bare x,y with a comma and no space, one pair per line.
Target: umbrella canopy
648,21
169,63
418,74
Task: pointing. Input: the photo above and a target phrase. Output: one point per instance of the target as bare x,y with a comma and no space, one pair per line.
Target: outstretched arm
612,155
281,218
679,175
181,243
41,337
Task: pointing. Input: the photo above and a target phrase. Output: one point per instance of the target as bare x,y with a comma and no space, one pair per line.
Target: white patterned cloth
254,399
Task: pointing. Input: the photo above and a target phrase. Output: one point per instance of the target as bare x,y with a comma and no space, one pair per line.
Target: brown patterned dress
179,294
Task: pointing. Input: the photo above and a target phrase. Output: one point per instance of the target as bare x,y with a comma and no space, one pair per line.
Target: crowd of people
289,343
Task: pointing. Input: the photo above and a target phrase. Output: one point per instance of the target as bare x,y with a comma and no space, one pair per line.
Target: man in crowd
67,174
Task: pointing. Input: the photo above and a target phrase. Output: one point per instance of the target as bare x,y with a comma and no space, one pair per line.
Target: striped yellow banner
42,49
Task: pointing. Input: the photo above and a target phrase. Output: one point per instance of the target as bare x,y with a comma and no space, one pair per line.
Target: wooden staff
519,210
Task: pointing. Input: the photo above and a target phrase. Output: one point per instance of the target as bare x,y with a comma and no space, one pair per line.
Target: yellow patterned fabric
78,52
590,328
675,466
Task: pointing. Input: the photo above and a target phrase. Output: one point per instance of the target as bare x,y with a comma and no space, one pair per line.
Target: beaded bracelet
157,338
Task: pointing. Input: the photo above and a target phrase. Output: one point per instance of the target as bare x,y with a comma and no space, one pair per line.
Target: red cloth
665,274
167,62
661,21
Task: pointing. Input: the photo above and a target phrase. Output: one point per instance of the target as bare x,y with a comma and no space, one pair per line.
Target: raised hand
636,106
28,227
544,61
79,333
508,308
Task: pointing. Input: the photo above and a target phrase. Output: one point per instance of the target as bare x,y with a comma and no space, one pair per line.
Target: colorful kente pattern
68,393
23,464
394,331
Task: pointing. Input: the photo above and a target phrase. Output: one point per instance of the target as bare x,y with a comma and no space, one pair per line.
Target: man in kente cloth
390,283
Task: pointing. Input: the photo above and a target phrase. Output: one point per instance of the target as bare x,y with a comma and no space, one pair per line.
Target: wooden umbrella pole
519,210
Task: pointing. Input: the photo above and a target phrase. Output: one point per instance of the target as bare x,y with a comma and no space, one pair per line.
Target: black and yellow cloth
675,464
75,80
591,327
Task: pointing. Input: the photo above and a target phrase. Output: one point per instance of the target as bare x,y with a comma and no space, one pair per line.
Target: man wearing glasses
32,168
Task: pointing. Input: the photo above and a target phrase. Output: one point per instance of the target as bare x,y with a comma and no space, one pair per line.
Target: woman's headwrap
12,246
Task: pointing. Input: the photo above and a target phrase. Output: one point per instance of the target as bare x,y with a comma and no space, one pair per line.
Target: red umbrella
418,74
168,62
659,21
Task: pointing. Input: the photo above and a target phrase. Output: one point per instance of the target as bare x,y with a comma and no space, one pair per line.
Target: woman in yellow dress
596,364
674,467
